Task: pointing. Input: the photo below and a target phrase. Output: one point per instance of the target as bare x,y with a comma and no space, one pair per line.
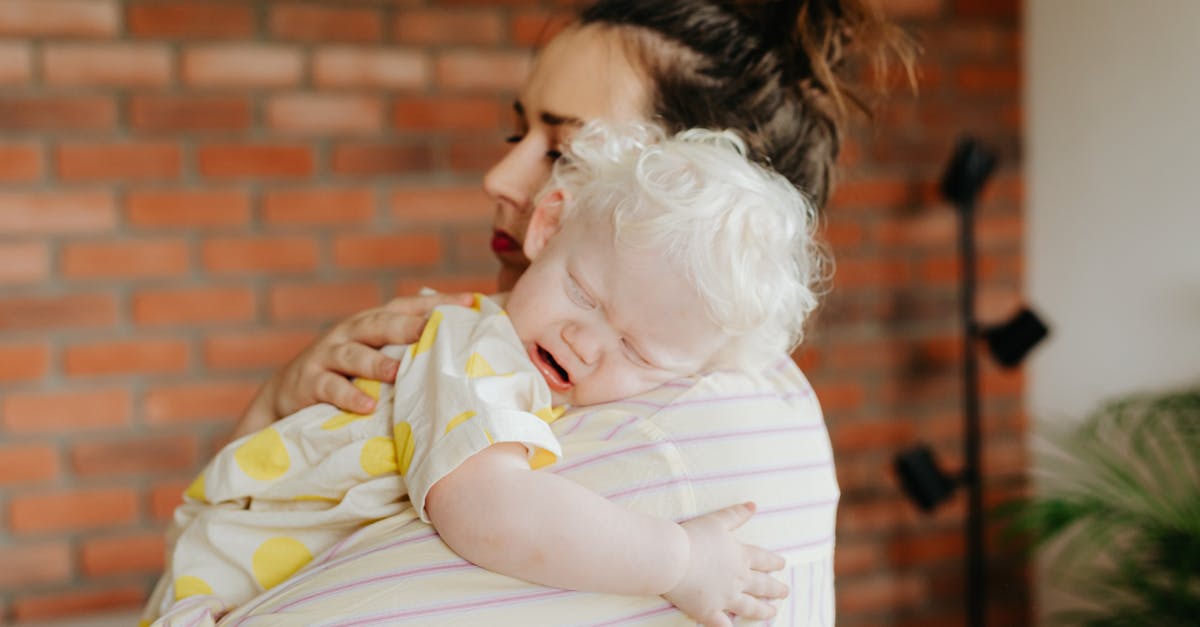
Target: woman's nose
516,177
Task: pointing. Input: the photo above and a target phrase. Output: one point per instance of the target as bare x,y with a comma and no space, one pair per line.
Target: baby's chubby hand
725,576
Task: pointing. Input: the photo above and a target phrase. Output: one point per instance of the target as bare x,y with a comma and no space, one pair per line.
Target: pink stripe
796,507
585,461
457,607
716,400
578,423
795,602
650,487
635,617
804,545
617,430
410,572
730,435
309,573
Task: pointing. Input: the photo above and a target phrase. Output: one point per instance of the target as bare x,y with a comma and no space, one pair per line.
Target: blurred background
191,190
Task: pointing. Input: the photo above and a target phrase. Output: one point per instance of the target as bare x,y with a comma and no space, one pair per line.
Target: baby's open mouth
549,359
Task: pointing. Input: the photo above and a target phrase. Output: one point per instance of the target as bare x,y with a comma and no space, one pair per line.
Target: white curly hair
742,235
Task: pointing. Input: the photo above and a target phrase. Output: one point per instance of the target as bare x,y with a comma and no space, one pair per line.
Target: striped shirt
684,449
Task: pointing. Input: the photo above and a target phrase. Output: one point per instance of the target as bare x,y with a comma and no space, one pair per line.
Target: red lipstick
504,243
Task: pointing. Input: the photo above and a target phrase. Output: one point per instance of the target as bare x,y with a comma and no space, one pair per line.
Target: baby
653,259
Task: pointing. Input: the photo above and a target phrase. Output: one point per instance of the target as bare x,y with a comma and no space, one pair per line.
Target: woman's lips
504,243
549,372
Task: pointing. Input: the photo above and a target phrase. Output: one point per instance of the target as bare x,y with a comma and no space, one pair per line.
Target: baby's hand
723,575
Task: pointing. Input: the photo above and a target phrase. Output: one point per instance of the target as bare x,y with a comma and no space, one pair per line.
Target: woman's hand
723,575
322,372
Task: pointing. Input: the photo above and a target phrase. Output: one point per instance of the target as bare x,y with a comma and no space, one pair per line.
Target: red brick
979,79
441,204
20,162
59,18
340,207
76,602
875,193
320,24
116,65
34,563
53,212
124,259
76,310
341,67
190,113
190,19
325,113
321,301
165,497
193,306
863,436
24,262
472,248
856,273
880,593
936,228
855,558
387,251
927,547
449,114
485,284
495,3
28,463
536,28
255,350
840,396
256,160
988,8
191,402
148,356
454,26
491,71
477,154
66,411
267,255
118,555
134,160
70,510
373,159
23,362
16,63
188,209
57,113
913,9
140,456
242,65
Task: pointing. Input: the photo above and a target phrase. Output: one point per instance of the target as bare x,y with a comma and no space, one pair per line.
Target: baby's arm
497,513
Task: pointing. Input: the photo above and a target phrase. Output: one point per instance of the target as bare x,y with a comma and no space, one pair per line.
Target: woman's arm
494,511
321,372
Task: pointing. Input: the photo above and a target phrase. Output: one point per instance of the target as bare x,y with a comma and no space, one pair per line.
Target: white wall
1113,176
1112,101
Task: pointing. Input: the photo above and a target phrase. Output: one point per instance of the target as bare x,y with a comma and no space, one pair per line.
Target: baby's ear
545,222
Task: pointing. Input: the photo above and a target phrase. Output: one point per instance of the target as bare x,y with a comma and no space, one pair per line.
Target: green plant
1118,515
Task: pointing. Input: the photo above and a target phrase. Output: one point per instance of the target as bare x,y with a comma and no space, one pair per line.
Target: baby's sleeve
465,385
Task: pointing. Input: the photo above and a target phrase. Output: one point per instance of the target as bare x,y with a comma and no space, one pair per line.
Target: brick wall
190,190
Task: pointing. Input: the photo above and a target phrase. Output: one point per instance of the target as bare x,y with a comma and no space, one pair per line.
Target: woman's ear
545,222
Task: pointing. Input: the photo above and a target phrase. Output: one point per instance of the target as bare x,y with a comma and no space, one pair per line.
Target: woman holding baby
774,72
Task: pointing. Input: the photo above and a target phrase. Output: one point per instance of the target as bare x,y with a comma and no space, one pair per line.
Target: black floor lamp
920,476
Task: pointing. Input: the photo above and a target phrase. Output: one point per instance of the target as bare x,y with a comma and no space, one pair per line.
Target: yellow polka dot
341,420
369,387
404,445
478,303
276,560
477,366
459,419
428,335
196,490
550,414
144,623
378,456
541,457
190,586
263,456
488,436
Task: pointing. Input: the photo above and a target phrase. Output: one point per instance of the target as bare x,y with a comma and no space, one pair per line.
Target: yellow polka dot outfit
270,502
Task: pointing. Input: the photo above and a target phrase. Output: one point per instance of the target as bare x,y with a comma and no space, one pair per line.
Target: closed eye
576,294
634,355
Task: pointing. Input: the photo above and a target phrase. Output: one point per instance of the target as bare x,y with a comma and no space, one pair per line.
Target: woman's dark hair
772,70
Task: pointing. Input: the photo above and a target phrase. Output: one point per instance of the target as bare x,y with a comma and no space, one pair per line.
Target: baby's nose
584,342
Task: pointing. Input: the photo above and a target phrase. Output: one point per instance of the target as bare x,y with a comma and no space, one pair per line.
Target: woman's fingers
338,391
732,517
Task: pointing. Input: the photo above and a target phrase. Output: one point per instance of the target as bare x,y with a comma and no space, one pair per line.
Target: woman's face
583,74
